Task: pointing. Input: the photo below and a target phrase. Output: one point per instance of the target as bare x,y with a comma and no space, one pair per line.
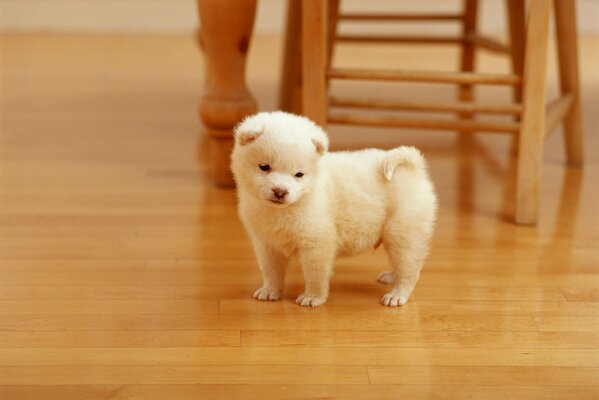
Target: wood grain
316,319
119,338
423,339
297,392
297,356
491,376
181,374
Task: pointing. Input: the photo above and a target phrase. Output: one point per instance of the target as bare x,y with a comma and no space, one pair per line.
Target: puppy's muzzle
279,194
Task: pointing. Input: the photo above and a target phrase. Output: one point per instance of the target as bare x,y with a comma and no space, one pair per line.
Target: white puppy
295,199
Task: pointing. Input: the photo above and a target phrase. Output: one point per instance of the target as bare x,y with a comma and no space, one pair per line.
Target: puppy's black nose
279,193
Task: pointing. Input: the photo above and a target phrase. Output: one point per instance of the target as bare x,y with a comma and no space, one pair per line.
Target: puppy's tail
404,156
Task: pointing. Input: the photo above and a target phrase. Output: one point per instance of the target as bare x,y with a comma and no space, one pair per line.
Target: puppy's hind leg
273,266
407,254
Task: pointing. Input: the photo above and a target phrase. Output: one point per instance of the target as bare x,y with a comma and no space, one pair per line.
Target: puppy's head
276,155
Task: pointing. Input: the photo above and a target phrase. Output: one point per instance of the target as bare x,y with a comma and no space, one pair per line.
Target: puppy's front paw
393,299
267,293
310,301
386,278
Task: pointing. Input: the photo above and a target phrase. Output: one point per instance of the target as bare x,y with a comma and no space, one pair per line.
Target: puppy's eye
264,167
299,174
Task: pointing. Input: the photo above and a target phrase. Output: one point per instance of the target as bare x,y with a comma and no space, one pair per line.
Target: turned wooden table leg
226,28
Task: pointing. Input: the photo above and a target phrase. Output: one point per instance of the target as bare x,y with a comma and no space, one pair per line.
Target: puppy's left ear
249,130
321,142
246,137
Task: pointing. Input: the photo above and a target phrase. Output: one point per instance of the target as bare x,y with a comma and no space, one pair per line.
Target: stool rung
491,44
423,76
556,111
398,39
445,125
400,17
468,107
483,42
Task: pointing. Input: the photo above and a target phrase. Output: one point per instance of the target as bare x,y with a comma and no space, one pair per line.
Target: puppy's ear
249,129
321,143
246,137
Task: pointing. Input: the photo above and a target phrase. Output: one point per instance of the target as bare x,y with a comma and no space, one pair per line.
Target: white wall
180,16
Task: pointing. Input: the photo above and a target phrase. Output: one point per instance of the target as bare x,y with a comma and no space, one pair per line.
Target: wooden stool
305,76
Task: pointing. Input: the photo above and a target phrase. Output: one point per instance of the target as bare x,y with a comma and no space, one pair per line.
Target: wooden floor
124,274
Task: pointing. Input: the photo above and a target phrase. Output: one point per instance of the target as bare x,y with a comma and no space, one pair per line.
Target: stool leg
314,60
290,96
516,17
468,48
533,115
333,16
516,24
567,50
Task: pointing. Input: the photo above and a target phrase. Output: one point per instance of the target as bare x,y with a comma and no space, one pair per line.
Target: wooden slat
419,307
491,376
428,339
581,293
399,17
115,292
562,323
556,112
129,306
446,125
243,277
380,319
425,76
182,374
116,339
250,306
471,107
297,392
340,293
306,355
101,322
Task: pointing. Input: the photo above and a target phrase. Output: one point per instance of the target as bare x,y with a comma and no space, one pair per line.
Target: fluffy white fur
345,203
